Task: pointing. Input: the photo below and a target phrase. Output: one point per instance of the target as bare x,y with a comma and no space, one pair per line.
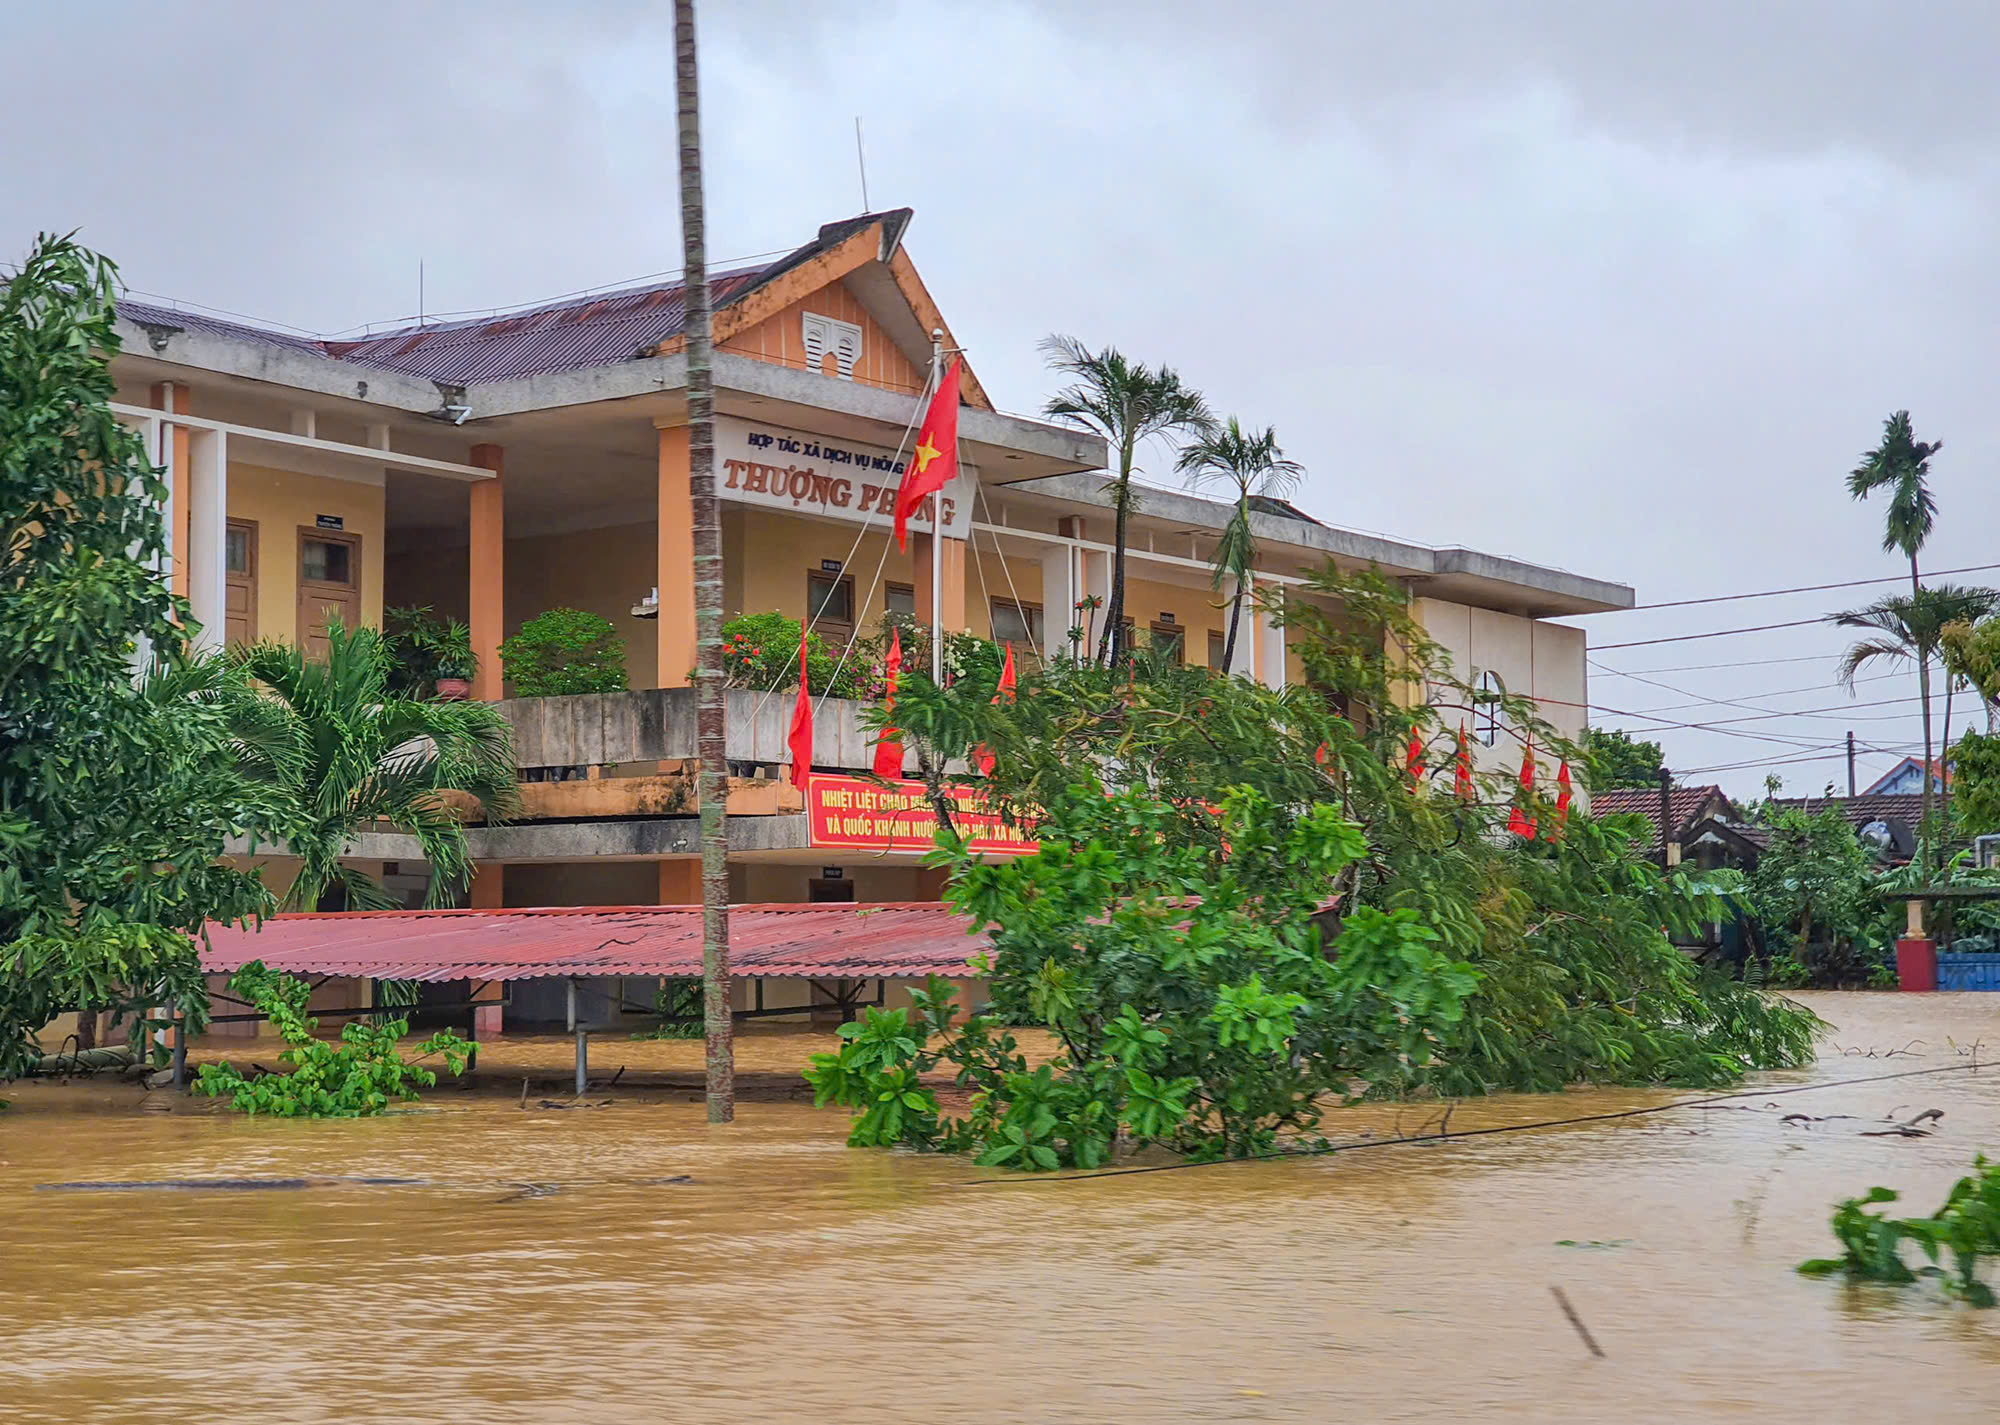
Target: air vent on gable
824,334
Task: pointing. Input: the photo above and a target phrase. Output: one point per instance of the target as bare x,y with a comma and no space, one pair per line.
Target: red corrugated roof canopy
892,940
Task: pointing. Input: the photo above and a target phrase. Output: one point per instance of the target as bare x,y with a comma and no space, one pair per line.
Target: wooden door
329,584
239,583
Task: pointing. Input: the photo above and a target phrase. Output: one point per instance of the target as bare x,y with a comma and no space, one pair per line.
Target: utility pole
1850,764
711,748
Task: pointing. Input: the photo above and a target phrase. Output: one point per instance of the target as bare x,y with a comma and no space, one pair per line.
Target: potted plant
453,663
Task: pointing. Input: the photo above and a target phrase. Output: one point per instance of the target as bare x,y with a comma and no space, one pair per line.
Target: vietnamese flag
1562,801
1462,779
889,745
982,755
801,737
1518,821
1414,760
934,458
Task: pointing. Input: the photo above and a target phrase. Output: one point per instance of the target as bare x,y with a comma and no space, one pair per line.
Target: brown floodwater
543,1270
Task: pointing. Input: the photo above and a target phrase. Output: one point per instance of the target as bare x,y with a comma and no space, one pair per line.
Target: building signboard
790,471
852,813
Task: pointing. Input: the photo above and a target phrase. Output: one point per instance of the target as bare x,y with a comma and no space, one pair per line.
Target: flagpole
937,540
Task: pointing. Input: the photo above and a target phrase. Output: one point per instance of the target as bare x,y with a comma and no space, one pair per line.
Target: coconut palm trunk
1924,696
711,749
1111,645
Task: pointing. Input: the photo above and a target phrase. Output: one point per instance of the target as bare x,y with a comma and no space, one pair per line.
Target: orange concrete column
489,886
931,882
680,881
486,563
176,397
676,567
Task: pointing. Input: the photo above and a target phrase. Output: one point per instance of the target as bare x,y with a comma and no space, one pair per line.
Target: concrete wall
280,503
1532,658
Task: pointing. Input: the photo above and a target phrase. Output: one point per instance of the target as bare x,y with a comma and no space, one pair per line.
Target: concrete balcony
606,732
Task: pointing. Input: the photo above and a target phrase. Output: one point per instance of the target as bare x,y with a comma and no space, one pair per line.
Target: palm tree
711,740
1914,627
1253,464
1901,464
1128,403
332,753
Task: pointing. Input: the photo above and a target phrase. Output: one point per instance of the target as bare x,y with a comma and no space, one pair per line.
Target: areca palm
337,753
1901,465
1251,463
1128,403
1913,627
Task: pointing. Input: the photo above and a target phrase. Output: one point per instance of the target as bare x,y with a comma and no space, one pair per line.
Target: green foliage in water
357,1077
677,1000
1194,1002
1967,1227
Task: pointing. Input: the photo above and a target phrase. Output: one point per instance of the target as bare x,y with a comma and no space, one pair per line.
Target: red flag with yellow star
1462,778
1413,761
982,755
934,458
1519,822
1554,833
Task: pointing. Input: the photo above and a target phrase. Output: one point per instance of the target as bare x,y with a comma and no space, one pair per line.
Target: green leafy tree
1248,463
564,651
1810,895
1971,653
1200,834
338,752
1128,403
1901,467
115,803
1618,759
1975,782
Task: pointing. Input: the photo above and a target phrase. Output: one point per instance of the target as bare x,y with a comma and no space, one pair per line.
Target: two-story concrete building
498,467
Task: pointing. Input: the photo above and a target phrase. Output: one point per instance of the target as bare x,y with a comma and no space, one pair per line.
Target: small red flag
801,737
889,746
1562,801
1519,822
934,458
1414,759
1320,755
1462,779
982,755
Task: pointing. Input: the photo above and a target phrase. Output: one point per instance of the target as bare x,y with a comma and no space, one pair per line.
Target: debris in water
228,1184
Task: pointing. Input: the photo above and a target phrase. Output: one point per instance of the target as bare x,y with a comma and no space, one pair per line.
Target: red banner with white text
853,814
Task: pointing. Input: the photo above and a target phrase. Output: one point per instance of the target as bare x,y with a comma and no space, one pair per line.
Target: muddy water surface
547,1270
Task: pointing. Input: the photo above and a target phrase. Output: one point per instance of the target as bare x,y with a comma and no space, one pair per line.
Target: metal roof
893,940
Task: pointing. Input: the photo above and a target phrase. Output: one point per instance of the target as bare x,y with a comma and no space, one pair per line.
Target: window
236,549
830,606
1019,624
1487,718
325,561
900,599
1170,639
1216,645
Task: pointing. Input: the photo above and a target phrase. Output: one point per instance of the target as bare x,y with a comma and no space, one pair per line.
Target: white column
208,526
1270,652
1244,663
1096,572
1058,599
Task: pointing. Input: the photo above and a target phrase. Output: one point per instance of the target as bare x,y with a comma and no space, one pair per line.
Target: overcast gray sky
1624,288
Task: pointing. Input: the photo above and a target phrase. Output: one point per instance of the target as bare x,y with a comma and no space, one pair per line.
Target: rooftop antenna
861,162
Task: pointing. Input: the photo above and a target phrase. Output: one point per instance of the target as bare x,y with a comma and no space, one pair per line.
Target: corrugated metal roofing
147,314
893,940
1687,803
600,330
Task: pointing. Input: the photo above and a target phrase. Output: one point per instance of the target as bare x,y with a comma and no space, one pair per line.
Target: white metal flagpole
937,538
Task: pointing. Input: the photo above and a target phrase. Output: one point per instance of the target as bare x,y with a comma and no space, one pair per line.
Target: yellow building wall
602,571
780,339
1193,609
282,502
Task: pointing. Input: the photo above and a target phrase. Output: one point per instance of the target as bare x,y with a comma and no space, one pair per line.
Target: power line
1774,693
1797,589
1703,667
1717,633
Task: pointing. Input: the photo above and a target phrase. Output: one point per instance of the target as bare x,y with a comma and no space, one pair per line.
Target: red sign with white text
850,813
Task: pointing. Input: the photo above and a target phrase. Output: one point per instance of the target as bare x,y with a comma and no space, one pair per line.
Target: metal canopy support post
180,1059
582,1043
